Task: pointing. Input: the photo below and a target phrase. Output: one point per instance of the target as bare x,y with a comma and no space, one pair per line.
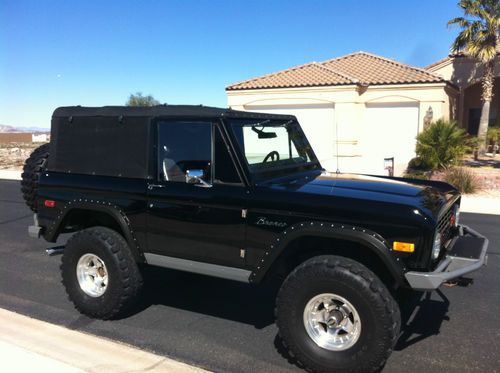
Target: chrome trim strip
214,270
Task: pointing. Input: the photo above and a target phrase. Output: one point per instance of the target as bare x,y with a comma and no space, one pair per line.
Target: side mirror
196,177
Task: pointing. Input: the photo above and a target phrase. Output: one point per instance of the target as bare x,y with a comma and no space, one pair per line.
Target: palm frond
479,29
461,21
470,7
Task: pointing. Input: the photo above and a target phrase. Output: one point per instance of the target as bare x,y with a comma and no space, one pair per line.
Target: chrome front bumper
468,253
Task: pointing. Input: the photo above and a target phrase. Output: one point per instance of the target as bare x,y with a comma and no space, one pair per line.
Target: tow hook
461,281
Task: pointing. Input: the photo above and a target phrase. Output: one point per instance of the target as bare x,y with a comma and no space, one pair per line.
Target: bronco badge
264,221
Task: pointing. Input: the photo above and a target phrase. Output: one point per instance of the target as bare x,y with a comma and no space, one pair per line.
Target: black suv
242,196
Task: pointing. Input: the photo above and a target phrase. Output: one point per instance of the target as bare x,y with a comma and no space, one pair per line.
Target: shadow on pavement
421,313
253,305
421,316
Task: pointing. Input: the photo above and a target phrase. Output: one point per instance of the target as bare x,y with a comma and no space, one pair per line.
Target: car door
199,221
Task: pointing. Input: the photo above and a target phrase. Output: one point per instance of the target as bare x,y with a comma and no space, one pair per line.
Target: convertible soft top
159,111
114,140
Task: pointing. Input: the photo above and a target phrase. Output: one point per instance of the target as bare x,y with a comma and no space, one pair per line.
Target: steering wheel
273,156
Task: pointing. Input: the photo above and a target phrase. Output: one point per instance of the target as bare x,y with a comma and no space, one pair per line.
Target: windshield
272,145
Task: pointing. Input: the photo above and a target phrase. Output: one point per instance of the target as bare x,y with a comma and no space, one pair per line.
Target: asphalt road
226,326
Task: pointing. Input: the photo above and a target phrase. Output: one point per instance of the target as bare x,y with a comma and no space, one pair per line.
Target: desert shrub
442,144
462,179
416,175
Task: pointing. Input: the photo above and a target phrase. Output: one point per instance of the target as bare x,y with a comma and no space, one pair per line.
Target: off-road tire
378,311
34,165
124,278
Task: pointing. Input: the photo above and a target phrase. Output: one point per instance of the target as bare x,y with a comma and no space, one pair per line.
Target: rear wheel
99,273
34,165
334,314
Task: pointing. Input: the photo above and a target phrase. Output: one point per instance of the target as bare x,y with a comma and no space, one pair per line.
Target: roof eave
442,81
230,88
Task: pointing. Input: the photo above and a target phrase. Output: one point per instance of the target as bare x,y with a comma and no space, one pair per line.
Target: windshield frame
257,175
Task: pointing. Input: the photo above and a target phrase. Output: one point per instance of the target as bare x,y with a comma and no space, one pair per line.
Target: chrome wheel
332,322
92,275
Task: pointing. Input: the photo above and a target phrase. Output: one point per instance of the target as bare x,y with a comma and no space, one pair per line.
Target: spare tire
33,167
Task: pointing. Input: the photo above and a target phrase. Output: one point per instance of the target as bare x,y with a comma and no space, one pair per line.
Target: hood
429,196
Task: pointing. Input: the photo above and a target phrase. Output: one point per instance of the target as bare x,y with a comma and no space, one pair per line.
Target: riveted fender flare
363,236
52,232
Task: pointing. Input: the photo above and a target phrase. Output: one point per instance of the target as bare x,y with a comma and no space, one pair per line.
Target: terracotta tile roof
455,55
355,68
437,63
310,74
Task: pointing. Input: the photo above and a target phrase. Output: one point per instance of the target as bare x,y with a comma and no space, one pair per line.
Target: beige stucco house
465,73
361,109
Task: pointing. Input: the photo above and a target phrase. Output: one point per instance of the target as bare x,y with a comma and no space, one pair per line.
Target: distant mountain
6,128
33,129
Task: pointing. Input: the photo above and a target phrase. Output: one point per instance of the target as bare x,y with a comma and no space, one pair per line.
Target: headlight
436,247
457,215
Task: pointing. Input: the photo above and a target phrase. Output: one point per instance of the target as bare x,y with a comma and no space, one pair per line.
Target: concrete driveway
228,327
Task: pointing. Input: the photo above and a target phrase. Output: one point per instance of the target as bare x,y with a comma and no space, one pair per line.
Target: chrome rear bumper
35,230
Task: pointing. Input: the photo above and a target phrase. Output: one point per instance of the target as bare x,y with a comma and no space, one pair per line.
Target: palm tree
480,39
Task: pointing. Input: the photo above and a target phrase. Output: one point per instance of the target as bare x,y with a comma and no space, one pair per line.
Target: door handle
151,186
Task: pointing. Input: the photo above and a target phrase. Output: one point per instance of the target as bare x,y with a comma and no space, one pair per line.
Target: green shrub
418,164
462,179
493,134
473,144
442,144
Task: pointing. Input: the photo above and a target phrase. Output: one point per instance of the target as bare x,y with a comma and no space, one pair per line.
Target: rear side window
184,146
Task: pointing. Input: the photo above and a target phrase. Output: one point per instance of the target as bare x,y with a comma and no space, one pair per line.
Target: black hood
428,196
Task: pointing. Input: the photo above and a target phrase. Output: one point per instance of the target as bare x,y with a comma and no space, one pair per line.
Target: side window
225,170
184,146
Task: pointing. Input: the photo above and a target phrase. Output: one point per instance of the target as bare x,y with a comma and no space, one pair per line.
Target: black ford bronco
242,196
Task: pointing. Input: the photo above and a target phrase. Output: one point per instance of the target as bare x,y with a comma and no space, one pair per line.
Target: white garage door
389,131
318,123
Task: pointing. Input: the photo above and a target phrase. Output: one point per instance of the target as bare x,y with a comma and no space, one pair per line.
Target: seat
172,172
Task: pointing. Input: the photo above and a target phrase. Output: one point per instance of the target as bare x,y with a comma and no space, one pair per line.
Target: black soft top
115,140
160,111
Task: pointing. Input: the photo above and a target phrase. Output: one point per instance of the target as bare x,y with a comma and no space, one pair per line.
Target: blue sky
93,53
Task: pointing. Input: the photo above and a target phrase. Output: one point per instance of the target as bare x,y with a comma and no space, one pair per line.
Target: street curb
480,205
10,174
56,345
16,359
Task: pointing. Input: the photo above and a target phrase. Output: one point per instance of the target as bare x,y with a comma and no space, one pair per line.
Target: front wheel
334,314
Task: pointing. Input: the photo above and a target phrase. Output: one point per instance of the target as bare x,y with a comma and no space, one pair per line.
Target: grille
444,226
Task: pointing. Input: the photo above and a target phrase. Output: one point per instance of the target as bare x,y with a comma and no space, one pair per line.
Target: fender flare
114,211
367,238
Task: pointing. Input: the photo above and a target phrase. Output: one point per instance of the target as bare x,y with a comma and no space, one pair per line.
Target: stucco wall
466,73
462,71
24,137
